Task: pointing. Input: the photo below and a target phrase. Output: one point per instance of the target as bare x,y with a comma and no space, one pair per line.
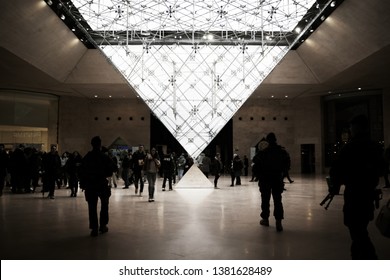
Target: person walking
217,169
236,170
73,166
126,170
261,145
167,168
358,167
51,168
152,164
270,163
138,161
181,162
246,165
96,167
205,165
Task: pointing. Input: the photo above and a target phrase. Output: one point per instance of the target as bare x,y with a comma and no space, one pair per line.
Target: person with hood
271,162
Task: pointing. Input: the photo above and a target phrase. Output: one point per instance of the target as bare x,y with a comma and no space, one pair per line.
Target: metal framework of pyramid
195,62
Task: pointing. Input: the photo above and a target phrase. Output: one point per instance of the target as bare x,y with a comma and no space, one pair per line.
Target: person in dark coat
152,164
51,167
96,167
167,166
73,166
236,170
126,169
358,167
271,163
137,165
217,169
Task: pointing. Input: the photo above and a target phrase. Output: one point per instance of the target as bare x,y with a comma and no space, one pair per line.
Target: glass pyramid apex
195,62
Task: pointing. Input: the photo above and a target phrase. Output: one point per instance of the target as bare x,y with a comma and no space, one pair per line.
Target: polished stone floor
188,223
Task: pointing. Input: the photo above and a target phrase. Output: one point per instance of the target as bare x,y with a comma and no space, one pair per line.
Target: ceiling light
49,2
63,17
298,30
333,4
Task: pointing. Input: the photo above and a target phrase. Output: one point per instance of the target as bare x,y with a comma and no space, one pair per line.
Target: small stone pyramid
194,179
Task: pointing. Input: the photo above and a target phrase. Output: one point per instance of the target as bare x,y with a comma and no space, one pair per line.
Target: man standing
152,164
126,164
96,167
138,161
181,162
51,167
359,167
270,165
236,170
167,168
217,169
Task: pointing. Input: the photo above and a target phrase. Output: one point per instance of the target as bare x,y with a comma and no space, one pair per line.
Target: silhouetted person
236,170
138,161
152,164
51,167
96,167
73,166
217,169
4,161
358,167
286,173
271,162
205,165
246,165
181,162
167,168
126,164
261,145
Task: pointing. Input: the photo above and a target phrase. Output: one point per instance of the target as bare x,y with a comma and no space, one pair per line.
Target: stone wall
80,119
294,122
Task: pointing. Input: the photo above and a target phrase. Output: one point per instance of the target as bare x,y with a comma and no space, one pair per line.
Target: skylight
195,62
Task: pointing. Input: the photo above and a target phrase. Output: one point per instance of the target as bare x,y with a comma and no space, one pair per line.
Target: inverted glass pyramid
195,62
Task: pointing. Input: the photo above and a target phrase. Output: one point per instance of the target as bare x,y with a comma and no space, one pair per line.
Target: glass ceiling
195,62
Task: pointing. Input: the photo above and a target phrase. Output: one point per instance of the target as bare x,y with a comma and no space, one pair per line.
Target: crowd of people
99,170
25,169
